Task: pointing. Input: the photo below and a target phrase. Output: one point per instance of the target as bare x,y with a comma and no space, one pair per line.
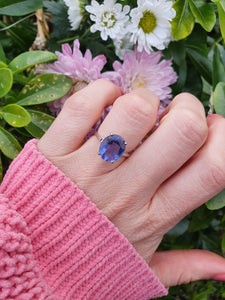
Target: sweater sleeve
75,252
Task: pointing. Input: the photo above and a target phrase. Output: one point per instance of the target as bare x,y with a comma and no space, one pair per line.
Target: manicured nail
215,115
121,90
219,277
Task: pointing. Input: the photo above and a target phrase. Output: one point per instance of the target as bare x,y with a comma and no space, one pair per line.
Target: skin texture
173,172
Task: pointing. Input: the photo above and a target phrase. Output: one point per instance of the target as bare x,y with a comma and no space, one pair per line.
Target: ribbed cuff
79,252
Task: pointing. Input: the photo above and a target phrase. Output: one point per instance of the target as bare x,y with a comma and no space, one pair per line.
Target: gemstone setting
112,147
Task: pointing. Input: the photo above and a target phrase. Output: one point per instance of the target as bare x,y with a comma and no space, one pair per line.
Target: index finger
79,114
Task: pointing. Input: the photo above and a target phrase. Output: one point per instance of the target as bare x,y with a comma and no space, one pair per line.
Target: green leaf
9,145
21,79
218,73
29,59
2,55
8,3
179,229
217,201
193,82
3,65
223,242
201,296
1,168
182,77
200,219
222,53
202,64
60,21
183,23
40,122
177,52
203,13
197,41
209,242
6,81
19,8
219,99
221,12
15,115
44,88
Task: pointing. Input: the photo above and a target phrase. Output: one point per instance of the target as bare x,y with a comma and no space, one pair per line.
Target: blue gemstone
112,147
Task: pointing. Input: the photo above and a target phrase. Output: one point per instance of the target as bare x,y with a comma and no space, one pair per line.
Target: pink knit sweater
55,243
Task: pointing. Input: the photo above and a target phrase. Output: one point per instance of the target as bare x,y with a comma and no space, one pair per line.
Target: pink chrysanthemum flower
82,69
140,69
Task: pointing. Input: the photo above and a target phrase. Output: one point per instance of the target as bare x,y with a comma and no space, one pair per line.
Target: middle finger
132,117
181,132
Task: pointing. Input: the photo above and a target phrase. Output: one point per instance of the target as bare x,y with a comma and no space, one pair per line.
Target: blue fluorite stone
112,147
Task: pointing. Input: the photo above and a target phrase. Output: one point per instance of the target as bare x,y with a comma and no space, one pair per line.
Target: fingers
186,266
132,117
198,181
181,132
80,112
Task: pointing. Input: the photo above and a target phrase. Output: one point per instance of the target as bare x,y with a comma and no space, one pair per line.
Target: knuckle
192,127
189,100
215,178
77,104
138,109
107,84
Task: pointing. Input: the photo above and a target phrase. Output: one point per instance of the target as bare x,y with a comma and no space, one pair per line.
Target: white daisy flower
150,24
74,12
109,17
123,44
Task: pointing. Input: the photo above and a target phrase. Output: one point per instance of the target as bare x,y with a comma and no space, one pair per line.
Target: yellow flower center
138,82
148,22
108,19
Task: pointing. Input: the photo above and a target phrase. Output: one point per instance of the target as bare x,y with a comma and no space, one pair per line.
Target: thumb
177,267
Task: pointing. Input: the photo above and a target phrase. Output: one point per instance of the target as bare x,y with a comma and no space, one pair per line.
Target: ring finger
131,117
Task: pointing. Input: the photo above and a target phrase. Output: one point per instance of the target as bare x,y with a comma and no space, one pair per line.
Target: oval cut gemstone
112,147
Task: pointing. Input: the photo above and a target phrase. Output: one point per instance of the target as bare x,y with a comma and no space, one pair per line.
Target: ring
112,147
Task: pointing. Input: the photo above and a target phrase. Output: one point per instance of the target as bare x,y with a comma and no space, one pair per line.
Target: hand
173,172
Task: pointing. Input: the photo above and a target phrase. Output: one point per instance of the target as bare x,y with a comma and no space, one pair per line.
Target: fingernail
219,277
121,90
215,115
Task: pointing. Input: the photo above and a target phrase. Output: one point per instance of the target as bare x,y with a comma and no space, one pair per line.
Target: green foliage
15,115
18,89
19,7
218,71
9,3
200,219
39,124
219,99
221,10
223,244
183,23
6,81
203,13
61,25
190,11
44,88
1,168
29,59
201,290
217,201
9,145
